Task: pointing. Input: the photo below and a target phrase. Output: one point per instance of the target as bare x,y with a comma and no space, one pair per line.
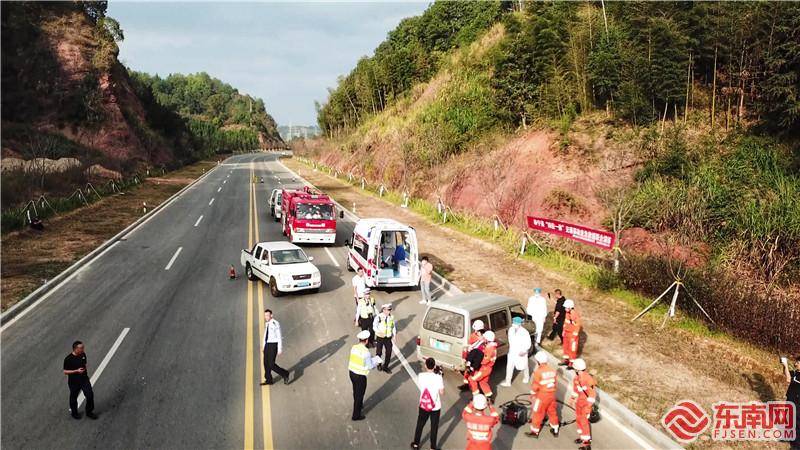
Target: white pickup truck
282,265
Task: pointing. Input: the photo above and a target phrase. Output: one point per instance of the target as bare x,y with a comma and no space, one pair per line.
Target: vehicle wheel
347,263
273,288
249,272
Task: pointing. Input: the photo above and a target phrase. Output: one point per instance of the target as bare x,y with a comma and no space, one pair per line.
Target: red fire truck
308,216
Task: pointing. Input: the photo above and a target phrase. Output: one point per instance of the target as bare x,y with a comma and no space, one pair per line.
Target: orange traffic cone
232,272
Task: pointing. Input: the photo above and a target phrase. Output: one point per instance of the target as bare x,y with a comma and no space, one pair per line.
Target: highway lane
179,379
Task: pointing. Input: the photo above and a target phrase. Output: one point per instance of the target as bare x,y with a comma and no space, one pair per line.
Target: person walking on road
385,331
361,362
359,284
479,381
519,344
365,313
793,394
480,418
78,380
583,398
537,311
543,397
273,346
572,332
425,276
558,317
431,389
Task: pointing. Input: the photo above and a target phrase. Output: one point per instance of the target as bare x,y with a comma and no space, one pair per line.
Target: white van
275,204
387,250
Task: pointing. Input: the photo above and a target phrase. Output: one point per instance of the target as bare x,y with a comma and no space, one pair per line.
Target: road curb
89,257
606,403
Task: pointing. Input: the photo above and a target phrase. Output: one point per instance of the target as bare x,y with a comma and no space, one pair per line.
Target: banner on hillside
598,238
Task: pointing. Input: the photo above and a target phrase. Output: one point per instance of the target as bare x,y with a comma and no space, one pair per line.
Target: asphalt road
186,372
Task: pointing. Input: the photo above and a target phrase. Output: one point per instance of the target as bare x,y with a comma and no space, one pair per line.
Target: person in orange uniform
543,396
481,377
475,341
480,418
584,397
572,331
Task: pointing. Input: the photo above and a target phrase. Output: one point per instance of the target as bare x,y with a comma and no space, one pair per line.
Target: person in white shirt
359,284
273,346
537,311
431,389
519,344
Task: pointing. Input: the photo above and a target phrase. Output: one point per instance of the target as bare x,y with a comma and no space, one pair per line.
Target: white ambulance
387,250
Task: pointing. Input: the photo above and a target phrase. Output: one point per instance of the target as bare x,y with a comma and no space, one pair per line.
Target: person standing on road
793,394
78,380
537,311
359,284
425,276
479,381
558,317
572,332
519,344
361,361
543,397
475,341
431,389
480,418
583,398
273,346
385,331
365,313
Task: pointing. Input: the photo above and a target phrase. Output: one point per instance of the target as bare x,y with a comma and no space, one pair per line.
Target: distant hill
289,132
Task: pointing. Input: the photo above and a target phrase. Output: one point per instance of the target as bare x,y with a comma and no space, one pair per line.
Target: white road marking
405,365
333,259
104,363
219,188
174,257
636,438
212,201
53,290
198,220
225,181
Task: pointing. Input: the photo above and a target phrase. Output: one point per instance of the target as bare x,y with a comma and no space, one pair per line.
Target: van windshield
444,322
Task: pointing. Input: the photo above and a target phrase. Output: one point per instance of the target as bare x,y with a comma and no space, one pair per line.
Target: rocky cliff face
61,75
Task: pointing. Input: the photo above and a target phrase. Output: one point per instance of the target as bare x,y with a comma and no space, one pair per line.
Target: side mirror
310,258
341,214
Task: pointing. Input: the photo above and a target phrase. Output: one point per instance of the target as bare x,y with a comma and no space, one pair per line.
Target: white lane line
225,181
212,201
333,259
104,363
219,188
405,365
198,220
174,257
53,290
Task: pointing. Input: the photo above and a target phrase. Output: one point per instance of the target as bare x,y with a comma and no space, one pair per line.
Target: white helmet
568,303
477,325
363,335
541,357
479,401
579,364
489,335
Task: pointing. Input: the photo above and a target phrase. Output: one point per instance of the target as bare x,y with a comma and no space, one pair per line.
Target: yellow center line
266,412
248,377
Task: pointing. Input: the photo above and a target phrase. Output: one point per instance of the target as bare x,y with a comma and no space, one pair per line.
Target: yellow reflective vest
366,307
384,326
359,359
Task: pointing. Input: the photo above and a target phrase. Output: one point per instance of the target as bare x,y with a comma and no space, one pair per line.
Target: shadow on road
399,376
319,355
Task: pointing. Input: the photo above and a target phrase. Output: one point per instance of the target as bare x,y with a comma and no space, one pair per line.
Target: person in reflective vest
543,396
583,396
385,330
480,418
480,379
361,361
572,331
365,312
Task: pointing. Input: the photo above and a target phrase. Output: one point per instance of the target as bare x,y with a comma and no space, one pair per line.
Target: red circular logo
686,421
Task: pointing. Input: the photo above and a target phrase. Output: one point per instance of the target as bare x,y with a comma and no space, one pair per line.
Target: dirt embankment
647,368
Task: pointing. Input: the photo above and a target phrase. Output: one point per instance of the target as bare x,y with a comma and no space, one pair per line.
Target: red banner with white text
598,238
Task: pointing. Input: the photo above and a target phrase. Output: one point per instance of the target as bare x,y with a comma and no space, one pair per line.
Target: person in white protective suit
537,312
519,345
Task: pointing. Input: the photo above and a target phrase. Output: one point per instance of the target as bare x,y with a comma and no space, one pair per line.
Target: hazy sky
287,53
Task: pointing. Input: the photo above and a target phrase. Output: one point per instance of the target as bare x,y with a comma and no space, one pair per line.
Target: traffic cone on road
232,272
